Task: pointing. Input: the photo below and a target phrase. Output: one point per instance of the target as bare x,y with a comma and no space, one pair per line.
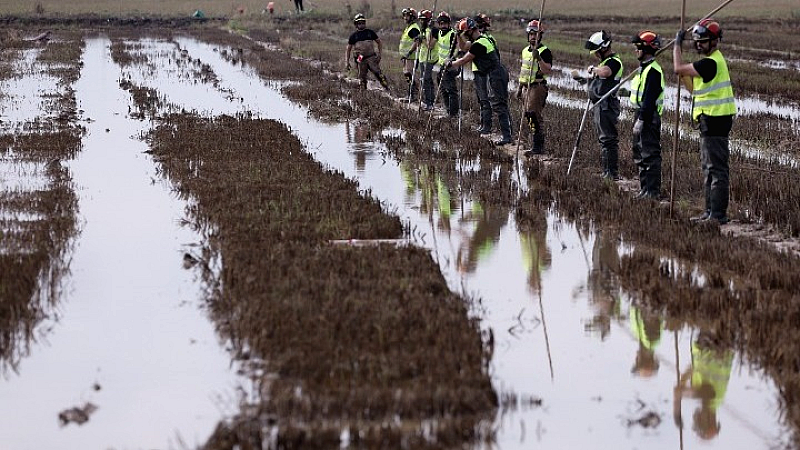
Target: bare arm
380,46
602,71
347,54
464,60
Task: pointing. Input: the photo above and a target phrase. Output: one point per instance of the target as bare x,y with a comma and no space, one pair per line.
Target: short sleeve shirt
362,35
706,68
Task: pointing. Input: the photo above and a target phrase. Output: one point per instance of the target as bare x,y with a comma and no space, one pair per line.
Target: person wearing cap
713,108
409,42
443,38
536,64
604,77
485,56
647,96
361,45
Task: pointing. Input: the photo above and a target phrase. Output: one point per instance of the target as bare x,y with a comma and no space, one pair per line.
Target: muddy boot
383,81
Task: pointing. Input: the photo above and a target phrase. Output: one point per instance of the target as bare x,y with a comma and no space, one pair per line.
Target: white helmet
597,41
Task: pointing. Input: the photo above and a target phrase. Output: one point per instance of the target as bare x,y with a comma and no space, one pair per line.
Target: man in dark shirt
364,41
485,56
713,107
602,78
647,95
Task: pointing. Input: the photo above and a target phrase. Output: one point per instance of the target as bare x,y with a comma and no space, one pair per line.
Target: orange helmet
647,41
706,30
466,24
534,27
425,14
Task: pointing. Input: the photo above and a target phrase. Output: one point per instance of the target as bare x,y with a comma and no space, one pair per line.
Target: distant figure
298,5
271,7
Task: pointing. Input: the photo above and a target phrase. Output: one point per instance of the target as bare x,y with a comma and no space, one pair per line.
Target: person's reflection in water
359,135
535,254
707,380
603,285
490,221
646,327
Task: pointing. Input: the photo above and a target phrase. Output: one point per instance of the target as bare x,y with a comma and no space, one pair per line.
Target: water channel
604,370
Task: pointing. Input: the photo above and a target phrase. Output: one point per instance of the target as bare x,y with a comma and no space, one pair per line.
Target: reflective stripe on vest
428,55
443,45
714,98
637,86
407,42
529,69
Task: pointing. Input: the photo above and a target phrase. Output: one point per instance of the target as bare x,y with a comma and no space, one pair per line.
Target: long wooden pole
676,130
530,75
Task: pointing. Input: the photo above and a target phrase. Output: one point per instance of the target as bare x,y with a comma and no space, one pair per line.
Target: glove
448,63
624,93
680,36
590,69
637,127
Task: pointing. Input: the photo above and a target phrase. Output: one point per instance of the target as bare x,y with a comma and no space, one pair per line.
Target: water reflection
705,380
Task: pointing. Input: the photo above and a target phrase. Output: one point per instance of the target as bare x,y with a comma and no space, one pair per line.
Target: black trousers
647,156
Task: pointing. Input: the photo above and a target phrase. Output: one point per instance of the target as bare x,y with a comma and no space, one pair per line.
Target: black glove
679,36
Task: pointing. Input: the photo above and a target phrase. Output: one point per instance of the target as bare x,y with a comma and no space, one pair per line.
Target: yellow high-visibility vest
529,68
637,86
714,98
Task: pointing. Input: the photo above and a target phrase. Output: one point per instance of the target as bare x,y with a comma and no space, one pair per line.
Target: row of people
423,46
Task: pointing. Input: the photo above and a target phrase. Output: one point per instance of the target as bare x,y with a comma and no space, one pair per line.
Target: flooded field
159,292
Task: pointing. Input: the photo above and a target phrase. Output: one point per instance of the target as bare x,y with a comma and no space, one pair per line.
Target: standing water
131,337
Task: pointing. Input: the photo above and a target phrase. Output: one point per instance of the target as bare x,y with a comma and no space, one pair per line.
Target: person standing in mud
484,55
444,41
536,64
409,42
713,108
298,6
480,79
363,42
428,58
647,95
602,78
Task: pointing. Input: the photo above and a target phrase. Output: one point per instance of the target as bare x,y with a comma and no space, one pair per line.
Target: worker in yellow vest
535,65
647,96
409,41
485,56
603,77
713,108
444,40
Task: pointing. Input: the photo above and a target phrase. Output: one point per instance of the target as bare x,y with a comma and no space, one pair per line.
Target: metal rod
578,137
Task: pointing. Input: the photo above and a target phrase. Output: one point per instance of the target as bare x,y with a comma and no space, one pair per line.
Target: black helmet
359,18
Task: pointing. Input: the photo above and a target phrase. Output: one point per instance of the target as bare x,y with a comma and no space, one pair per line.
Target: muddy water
130,336
565,335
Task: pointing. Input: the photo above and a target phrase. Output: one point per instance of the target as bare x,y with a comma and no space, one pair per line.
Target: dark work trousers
371,64
481,81
298,5
535,96
606,116
449,90
428,91
498,83
647,156
714,156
